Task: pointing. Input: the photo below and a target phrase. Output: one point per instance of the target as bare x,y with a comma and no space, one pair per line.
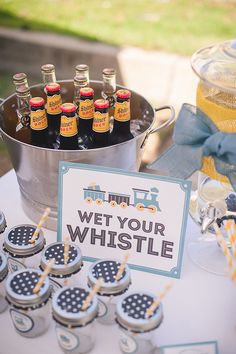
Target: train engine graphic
142,198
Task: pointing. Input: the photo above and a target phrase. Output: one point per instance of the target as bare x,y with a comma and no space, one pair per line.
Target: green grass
180,26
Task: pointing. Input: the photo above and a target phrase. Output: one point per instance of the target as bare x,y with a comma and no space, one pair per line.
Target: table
200,307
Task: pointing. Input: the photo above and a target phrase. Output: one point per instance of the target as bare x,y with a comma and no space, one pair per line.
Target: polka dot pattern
21,235
57,253
107,270
136,305
24,283
71,300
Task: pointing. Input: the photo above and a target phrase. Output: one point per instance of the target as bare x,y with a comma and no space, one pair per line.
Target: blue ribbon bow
196,136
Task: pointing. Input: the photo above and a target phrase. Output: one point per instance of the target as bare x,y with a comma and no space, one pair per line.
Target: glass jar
3,223
75,328
3,275
111,290
21,253
29,312
62,272
136,329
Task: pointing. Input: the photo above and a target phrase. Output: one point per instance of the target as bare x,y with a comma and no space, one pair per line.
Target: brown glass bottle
101,124
54,111
68,129
86,112
39,123
121,125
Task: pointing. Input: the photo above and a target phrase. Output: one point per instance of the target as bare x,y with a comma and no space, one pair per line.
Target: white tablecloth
200,307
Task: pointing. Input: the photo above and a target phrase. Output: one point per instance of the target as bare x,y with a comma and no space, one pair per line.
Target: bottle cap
16,241
60,269
53,87
20,285
131,312
47,67
123,93
81,67
19,77
107,269
3,266
36,102
70,312
109,71
68,107
101,103
86,91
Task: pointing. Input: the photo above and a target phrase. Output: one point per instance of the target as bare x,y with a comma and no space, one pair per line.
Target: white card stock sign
109,212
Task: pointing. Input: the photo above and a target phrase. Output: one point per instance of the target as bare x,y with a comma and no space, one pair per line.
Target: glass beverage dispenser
215,198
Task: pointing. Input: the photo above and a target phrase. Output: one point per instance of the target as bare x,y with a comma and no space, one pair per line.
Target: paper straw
66,249
43,276
223,245
92,293
233,238
233,275
40,224
231,232
122,268
157,301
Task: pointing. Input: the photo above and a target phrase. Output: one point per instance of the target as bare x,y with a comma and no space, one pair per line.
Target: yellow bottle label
225,120
68,126
38,119
86,109
122,111
101,122
53,104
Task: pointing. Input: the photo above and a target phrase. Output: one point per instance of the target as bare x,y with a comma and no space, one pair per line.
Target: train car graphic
142,198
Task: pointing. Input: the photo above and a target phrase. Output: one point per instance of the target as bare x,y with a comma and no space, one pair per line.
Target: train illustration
142,198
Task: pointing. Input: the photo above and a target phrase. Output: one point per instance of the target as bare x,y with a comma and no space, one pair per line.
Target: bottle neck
85,126
21,84
23,101
121,127
49,77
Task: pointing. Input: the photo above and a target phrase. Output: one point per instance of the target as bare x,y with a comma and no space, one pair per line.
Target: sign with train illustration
142,198
108,212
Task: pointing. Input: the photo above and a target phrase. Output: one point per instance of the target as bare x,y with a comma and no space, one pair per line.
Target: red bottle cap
52,87
101,103
68,107
123,93
36,102
86,91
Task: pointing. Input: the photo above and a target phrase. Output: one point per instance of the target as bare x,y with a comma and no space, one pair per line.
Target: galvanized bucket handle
166,124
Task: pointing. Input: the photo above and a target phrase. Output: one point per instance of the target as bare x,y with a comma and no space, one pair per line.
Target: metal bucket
37,168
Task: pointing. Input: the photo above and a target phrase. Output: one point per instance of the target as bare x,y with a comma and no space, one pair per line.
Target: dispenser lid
216,65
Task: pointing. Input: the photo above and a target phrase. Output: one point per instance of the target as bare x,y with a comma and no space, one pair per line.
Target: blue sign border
185,185
190,344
